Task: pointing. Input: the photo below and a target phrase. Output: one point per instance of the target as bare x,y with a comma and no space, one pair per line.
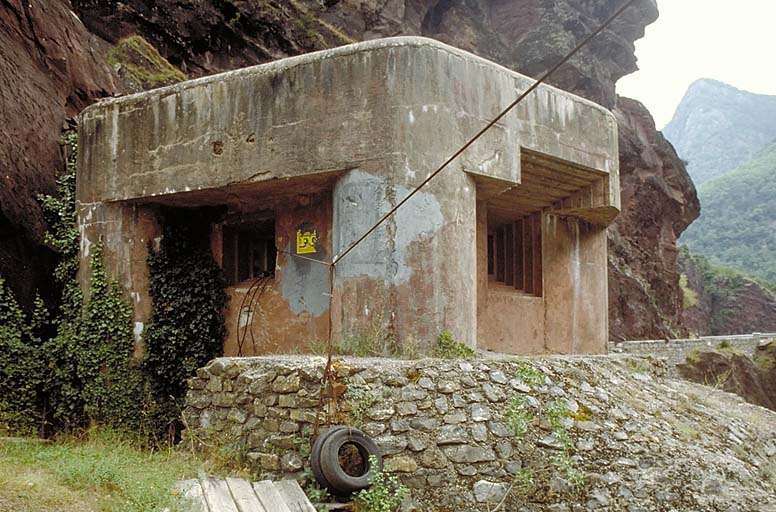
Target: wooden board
294,496
217,495
244,496
270,497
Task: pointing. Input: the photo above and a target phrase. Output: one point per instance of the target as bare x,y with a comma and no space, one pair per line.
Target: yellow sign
305,241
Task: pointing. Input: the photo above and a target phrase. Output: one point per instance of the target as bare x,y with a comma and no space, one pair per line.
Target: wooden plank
491,254
294,496
535,179
554,163
528,280
244,497
517,198
536,243
191,490
519,254
556,175
499,254
217,495
509,254
270,497
543,190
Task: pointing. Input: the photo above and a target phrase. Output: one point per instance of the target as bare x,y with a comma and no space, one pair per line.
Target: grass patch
102,471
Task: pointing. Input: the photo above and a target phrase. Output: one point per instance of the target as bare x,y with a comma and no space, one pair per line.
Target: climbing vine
82,374
85,374
21,367
187,324
92,376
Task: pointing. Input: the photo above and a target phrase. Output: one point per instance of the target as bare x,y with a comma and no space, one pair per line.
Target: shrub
383,495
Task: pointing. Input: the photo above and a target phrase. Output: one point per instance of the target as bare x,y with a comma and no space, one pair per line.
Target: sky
734,42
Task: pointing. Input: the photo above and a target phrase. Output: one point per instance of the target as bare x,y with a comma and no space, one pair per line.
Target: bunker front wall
383,115
570,316
291,309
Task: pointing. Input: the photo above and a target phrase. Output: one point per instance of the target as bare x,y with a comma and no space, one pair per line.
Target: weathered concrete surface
367,123
399,91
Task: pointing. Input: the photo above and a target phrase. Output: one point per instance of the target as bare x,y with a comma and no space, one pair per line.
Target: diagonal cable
482,131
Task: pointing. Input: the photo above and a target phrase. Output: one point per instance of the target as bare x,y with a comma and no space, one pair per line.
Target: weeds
359,398
517,416
448,348
530,375
383,495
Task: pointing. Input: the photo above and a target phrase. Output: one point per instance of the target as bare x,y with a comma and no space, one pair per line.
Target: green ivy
94,379
84,373
187,326
21,367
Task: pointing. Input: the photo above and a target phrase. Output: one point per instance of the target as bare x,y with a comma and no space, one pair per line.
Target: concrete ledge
334,110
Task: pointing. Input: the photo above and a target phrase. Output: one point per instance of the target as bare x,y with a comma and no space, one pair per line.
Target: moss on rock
141,66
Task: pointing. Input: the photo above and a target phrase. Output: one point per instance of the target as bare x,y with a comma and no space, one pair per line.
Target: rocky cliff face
723,301
50,68
203,37
658,203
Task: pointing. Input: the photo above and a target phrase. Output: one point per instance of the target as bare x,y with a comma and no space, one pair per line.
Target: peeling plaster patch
84,220
420,218
137,331
360,199
576,278
486,165
246,317
304,285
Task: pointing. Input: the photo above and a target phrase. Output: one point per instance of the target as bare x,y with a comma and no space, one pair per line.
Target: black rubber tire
340,483
315,455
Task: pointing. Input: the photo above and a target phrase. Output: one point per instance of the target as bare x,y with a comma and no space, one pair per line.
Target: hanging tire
326,460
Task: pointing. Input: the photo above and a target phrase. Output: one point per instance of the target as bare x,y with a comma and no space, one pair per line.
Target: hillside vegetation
717,127
737,226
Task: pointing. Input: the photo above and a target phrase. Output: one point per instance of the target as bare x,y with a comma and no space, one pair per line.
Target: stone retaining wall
439,423
676,351
564,434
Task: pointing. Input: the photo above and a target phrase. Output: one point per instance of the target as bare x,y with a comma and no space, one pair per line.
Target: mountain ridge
717,127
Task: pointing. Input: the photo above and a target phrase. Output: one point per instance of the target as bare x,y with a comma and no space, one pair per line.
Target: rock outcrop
658,203
723,301
51,67
202,37
751,378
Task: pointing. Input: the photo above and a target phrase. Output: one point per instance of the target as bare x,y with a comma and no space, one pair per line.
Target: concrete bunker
506,249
